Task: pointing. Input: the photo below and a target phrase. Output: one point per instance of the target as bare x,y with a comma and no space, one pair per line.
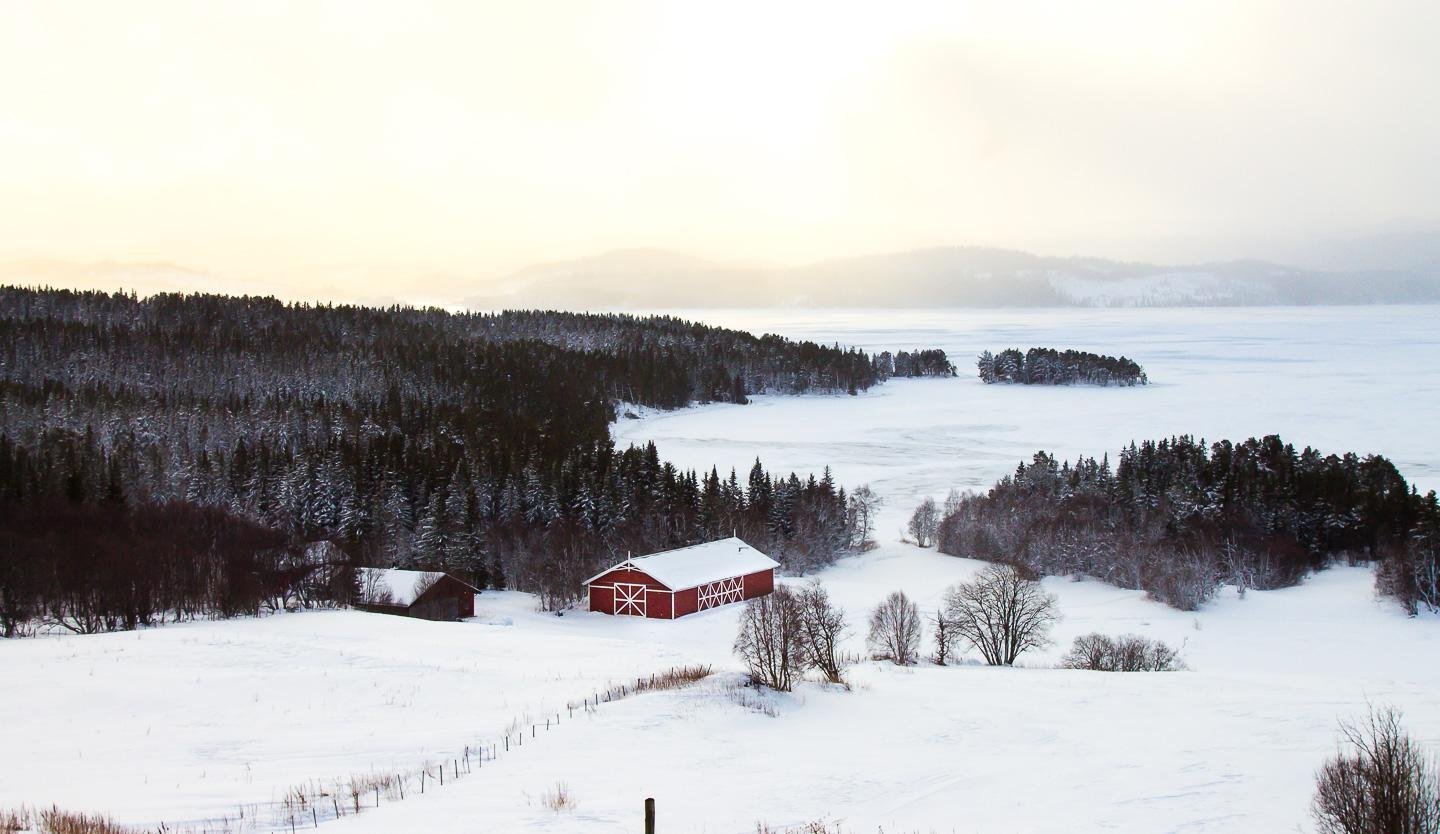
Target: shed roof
402,586
687,567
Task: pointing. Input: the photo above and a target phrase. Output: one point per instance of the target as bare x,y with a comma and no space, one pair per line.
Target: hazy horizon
428,151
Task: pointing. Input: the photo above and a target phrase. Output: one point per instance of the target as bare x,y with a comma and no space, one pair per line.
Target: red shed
426,594
678,582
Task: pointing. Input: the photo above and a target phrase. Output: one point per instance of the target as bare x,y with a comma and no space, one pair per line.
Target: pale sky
404,145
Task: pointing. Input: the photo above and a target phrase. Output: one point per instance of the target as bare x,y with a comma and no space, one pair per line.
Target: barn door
629,599
723,592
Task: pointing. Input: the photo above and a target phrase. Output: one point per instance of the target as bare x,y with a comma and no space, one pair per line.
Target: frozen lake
1362,379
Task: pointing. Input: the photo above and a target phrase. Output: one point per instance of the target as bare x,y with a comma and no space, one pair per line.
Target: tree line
928,362
473,443
1178,517
1046,366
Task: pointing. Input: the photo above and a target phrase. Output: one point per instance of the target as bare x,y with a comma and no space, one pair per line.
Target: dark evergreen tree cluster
1178,517
1046,366
928,362
669,362
474,443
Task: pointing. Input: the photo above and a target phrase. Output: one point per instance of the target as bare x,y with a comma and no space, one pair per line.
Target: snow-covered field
187,722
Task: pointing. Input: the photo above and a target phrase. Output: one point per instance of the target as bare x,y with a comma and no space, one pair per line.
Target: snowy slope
1229,747
212,715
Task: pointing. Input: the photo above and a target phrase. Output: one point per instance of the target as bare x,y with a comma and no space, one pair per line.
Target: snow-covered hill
190,722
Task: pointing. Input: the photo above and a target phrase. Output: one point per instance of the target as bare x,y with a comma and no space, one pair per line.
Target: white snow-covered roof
698,564
402,586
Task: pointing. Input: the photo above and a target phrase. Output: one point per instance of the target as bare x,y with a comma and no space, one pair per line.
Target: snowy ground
186,722
189,721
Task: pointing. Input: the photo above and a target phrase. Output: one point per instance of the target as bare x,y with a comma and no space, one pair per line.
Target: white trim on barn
723,592
630,599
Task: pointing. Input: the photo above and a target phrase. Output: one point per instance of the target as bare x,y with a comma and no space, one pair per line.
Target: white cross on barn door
722,593
629,599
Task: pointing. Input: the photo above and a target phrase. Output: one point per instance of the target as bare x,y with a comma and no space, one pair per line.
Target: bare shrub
1411,573
362,785
558,798
1126,653
769,640
812,827
1380,782
1001,613
673,678
895,629
745,696
925,523
14,820
821,627
56,821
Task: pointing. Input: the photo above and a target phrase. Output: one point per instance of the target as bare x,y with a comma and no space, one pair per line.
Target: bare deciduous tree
952,503
925,523
821,627
895,629
863,505
770,640
1001,613
1382,784
946,636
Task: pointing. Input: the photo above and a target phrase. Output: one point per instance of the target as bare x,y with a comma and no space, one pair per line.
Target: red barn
679,582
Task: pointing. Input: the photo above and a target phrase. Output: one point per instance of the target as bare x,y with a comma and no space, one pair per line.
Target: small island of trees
1047,366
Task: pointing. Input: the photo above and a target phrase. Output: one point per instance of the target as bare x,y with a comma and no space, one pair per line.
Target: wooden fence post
649,815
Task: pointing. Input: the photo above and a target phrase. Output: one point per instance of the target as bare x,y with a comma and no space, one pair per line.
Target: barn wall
375,608
687,602
438,607
447,599
759,583
657,605
602,599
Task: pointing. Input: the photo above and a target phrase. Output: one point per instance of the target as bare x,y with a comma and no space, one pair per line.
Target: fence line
307,806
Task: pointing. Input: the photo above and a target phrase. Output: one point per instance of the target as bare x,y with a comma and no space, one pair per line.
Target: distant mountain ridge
946,277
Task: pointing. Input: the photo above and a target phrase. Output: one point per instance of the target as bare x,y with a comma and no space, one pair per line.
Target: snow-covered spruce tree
770,640
1001,613
985,364
1380,782
895,629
